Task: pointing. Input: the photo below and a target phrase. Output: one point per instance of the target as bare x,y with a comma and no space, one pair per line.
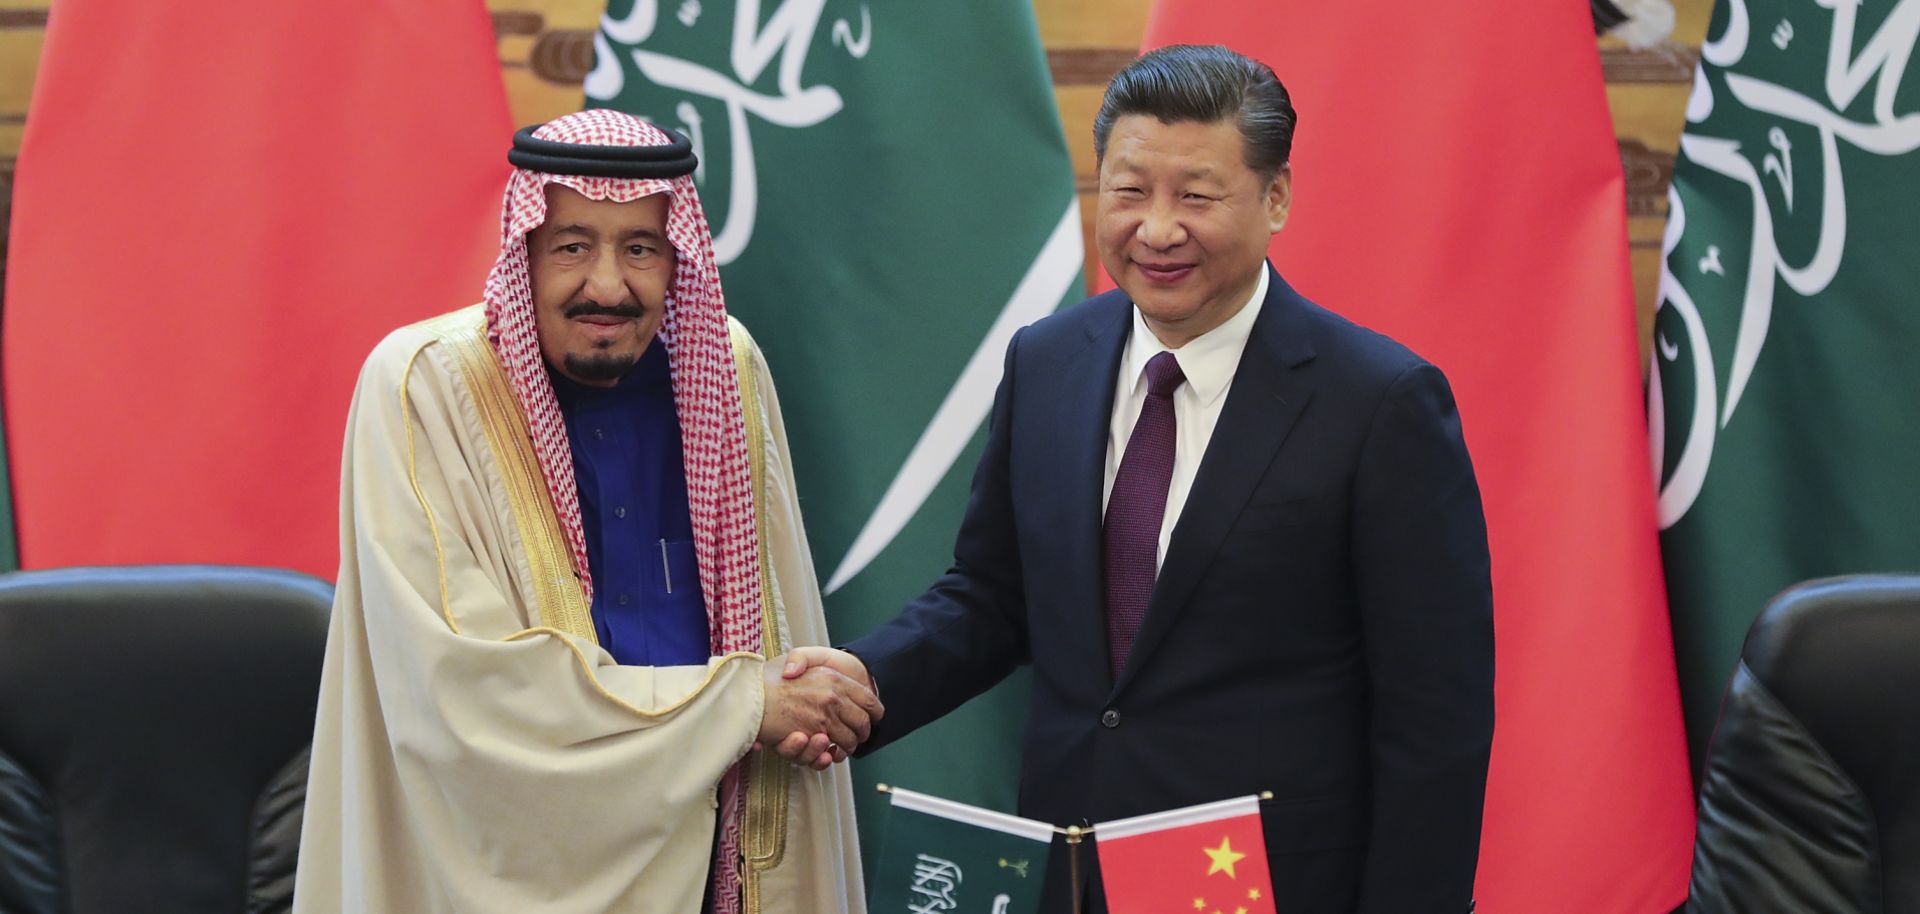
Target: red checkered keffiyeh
706,390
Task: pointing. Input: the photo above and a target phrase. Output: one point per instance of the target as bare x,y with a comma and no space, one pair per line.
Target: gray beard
599,367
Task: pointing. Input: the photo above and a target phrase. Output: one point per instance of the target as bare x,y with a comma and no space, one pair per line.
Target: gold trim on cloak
557,592
769,777
562,602
480,370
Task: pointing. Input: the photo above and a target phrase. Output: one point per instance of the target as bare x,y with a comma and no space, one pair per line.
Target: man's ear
1279,198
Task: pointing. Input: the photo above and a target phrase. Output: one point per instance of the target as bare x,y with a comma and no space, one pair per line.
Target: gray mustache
590,309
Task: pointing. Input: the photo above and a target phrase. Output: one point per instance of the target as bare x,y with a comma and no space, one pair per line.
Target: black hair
1204,83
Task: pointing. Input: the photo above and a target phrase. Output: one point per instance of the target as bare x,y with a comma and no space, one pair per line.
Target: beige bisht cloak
476,750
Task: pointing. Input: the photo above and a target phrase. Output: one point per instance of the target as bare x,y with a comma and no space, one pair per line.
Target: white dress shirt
1209,361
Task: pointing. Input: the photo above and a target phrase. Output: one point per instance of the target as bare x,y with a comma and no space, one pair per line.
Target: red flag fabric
219,208
1207,858
1457,186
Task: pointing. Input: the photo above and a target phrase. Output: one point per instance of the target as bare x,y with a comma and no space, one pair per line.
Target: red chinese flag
1201,858
220,207
1457,186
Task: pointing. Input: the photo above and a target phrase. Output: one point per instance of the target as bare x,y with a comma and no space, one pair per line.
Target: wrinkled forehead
634,211
530,196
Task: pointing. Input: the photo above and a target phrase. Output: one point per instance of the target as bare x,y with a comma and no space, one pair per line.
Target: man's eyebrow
574,228
1124,166
646,233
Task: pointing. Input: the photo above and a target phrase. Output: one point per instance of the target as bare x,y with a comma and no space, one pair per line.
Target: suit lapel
1078,434
1267,398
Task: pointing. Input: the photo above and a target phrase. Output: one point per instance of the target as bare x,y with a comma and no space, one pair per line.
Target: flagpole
1073,863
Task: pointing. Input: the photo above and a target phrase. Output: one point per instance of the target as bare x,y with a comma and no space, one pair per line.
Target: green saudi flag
940,856
1785,390
891,198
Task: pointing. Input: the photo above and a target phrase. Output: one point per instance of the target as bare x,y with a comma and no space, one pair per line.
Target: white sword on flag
971,396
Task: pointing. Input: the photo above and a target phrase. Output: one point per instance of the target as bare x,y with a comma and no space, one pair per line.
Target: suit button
1110,719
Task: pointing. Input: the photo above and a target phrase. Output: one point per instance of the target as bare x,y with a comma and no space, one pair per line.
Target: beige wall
546,48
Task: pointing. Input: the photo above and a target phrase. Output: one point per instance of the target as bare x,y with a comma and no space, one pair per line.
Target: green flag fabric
891,198
945,856
1784,395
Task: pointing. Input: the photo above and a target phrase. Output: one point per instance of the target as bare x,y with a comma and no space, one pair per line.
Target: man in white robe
477,749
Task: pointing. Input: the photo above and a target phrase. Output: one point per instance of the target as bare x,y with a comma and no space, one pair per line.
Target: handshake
820,706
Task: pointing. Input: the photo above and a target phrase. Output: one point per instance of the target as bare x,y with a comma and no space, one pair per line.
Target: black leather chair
1810,802
154,724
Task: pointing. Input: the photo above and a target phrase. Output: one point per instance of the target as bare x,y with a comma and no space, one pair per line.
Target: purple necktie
1136,507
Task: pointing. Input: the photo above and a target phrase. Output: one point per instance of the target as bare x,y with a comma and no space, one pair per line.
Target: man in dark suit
1237,536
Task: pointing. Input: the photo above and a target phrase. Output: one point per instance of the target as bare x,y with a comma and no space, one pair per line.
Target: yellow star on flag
1224,857
1199,904
1253,894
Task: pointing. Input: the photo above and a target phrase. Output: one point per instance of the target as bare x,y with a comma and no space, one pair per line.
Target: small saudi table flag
941,856
1209,858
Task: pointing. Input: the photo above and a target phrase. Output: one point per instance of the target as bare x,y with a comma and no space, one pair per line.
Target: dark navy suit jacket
1321,627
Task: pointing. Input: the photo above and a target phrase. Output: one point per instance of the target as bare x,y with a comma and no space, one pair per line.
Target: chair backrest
154,724
1810,801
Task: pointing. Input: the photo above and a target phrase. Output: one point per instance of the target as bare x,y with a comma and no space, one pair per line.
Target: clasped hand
820,706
